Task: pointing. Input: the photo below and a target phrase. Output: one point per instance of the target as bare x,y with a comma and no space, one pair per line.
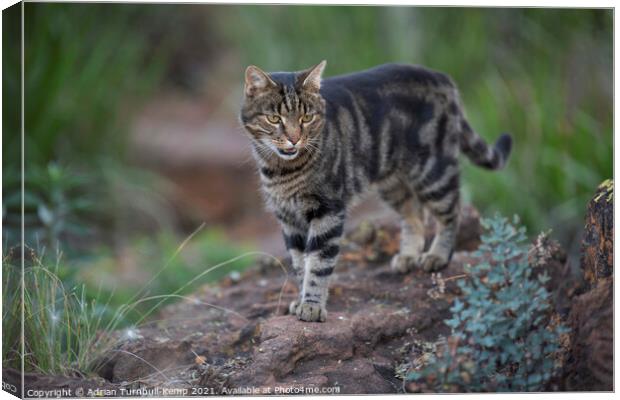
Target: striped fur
321,143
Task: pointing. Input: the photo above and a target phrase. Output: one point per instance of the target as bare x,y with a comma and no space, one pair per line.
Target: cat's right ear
256,80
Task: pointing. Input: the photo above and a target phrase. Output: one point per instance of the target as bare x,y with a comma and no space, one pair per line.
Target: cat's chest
287,195
289,189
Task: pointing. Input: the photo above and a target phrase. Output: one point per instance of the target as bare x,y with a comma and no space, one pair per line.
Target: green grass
11,313
87,67
61,327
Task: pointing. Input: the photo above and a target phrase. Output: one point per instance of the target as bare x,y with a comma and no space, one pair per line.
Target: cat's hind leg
411,237
444,204
401,199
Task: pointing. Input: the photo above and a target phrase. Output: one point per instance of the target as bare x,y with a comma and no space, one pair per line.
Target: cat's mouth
288,153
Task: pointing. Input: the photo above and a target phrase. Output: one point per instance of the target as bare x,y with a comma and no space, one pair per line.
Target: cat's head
283,111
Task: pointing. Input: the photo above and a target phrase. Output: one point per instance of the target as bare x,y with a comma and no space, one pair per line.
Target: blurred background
132,139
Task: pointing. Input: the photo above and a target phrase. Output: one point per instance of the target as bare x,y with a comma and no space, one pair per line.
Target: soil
237,334
236,337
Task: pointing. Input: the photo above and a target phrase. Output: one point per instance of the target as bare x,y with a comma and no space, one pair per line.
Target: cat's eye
274,119
307,118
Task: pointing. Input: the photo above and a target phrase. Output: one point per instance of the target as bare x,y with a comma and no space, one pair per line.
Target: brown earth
237,334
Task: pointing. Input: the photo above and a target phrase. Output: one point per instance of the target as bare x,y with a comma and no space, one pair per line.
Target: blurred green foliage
543,75
11,88
86,68
89,67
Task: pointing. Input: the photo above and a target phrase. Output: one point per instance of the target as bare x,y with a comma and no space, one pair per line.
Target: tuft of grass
62,329
11,312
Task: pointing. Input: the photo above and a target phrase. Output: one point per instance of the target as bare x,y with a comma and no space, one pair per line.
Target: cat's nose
293,135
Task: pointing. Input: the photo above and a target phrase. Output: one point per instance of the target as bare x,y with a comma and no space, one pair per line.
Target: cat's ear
256,80
311,78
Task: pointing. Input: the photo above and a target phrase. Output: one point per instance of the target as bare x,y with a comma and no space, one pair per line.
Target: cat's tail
480,153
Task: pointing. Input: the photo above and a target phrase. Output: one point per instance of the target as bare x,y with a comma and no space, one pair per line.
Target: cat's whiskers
312,149
313,143
263,150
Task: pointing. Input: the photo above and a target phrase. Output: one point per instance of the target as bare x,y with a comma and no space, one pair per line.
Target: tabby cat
321,143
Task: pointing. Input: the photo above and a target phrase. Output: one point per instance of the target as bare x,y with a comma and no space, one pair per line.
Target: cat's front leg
321,254
295,237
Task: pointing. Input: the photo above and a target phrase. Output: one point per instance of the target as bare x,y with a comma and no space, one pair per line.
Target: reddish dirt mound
236,336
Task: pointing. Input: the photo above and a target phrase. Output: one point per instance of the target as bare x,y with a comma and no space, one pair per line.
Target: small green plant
503,337
57,201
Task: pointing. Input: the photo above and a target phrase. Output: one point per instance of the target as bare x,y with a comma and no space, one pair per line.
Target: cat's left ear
311,78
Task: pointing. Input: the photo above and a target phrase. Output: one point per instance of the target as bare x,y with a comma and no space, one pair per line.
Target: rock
468,235
590,363
597,255
241,336
590,366
144,358
341,352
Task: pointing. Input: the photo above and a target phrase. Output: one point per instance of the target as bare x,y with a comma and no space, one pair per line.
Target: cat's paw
311,312
404,263
292,308
432,262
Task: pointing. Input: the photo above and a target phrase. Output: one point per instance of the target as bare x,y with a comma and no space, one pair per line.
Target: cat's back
386,75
